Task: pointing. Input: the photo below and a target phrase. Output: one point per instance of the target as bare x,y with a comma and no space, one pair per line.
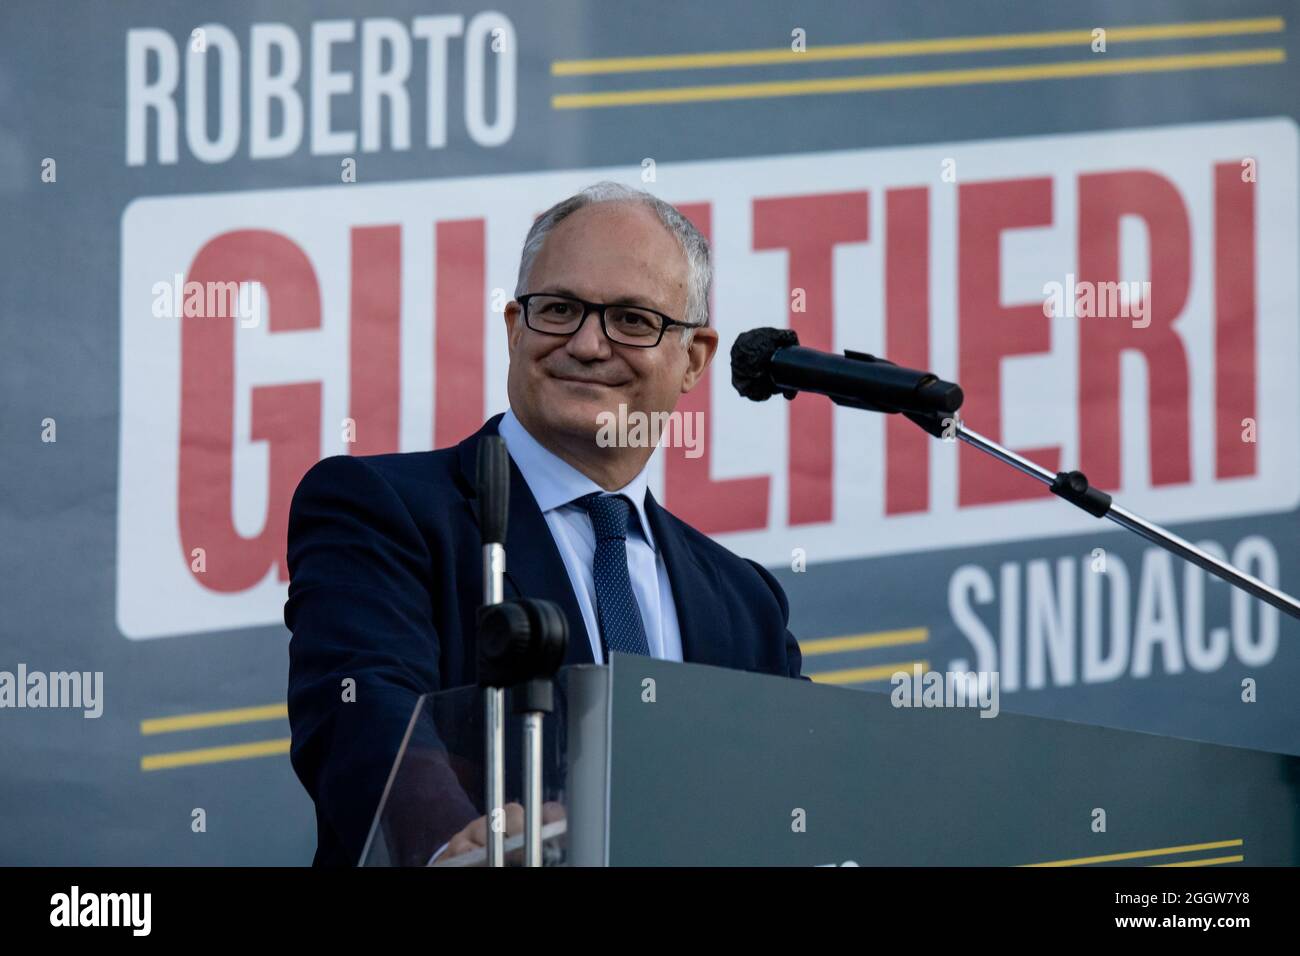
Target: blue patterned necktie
621,628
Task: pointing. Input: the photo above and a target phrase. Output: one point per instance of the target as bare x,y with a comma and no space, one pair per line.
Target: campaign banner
262,331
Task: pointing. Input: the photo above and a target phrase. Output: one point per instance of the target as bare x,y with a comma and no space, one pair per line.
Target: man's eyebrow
620,300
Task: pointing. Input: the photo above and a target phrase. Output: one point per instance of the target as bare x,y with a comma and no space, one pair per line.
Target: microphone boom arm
1073,487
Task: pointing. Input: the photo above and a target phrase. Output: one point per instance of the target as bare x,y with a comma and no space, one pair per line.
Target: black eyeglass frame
599,308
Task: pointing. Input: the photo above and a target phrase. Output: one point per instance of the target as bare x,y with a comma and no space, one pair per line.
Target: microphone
493,488
767,361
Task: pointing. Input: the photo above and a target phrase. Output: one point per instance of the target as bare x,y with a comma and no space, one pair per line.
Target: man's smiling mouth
573,380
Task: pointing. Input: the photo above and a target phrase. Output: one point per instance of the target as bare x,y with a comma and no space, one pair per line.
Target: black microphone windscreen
493,488
751,359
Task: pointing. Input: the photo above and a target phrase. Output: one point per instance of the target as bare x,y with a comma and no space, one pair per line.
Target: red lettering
690,491
1104,198
376,338
1234,320
459,274
907,341
988,331
809,228
286,417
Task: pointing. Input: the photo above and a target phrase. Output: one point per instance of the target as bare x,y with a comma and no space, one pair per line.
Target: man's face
614,253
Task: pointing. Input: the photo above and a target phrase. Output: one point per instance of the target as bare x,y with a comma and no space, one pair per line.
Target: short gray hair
694,245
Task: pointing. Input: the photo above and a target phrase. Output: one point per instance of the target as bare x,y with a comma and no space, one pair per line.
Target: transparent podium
664,764
436,785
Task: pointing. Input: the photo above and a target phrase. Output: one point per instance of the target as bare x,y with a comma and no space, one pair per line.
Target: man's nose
589,341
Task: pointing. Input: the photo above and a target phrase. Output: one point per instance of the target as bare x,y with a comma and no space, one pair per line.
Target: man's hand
474,835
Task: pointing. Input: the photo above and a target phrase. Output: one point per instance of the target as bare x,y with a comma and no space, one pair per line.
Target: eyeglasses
632,325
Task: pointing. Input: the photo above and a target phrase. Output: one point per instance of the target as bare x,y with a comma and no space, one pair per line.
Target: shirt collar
555,483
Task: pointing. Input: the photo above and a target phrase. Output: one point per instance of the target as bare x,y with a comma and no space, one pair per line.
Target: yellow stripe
875,51
1102,66
190,758
860,675
213,718
857,642
1139,854
1210,861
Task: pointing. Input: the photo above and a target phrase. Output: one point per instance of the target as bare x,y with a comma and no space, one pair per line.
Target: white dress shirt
555,484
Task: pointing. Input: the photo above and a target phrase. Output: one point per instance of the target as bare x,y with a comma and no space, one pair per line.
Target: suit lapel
534,568
706,638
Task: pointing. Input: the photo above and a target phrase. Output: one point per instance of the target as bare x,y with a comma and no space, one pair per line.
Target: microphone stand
766,362
494,721
1073,487
521,644
494,489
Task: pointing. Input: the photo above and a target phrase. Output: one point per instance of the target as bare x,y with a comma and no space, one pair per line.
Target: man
611,308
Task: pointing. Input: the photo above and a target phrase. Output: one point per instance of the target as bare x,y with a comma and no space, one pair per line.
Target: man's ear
704,342
514,316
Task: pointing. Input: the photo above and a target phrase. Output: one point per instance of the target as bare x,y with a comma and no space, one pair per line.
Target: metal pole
1152,532
533,789
494,566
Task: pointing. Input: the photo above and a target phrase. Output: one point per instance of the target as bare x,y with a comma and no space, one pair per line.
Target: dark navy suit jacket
385,578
